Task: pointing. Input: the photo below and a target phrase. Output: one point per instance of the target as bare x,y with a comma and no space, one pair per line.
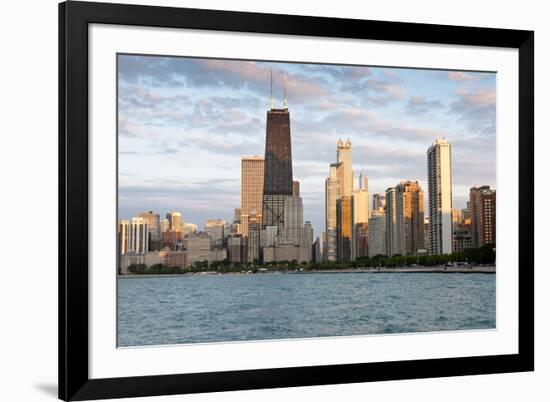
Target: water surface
220,308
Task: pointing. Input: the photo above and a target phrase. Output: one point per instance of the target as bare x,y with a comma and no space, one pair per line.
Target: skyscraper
378,201
456,215
175,221
215,229
338,205
133,236
293,225
483,215
252,187
188,228
308,239
363,180
153,224
409,208
277,167
345,172
360,206
427,233
282,233
237,212
254,228
391,220
237,246
440,197
296,188
377,233
332,188
317,255
164,225
360,218
466,211
344,227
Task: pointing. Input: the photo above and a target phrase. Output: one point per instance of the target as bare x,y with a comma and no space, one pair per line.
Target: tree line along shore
458,261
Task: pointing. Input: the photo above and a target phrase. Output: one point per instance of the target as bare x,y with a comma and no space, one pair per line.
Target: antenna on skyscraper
284,91
271,95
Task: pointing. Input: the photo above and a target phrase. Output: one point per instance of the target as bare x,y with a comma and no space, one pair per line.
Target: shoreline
415,270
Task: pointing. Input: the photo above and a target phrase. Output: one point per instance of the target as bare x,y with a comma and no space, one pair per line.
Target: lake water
220,308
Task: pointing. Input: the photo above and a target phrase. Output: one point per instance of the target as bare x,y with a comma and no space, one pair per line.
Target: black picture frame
74,18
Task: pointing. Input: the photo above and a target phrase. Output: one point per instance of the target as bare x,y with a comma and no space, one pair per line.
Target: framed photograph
258,201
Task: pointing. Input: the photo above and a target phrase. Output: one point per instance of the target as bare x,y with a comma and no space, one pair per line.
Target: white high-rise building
133,236
440,197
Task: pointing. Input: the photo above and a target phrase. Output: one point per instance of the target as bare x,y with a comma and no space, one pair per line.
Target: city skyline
176,151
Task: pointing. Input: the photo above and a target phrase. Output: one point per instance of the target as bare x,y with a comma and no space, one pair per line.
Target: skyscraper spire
271,93
363,181
284,92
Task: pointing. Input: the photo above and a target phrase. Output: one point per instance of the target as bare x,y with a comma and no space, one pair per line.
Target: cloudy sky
184,123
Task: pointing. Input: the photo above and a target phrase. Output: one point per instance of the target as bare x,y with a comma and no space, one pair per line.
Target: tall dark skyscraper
277,167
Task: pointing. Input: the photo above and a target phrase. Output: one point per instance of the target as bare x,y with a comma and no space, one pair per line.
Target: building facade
296,188
391,221
277,167
344,229
176,259
308,239
171,239
175,221
237,252
332,193
363,181
133,236
360,218
215,229
409,202
483,215
427,233
155,257
378,201
164,225
130,258
153,223
462,237
188,228
345,170
317,255
440,197
198,246
293,226
252,187
377,233
253,246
